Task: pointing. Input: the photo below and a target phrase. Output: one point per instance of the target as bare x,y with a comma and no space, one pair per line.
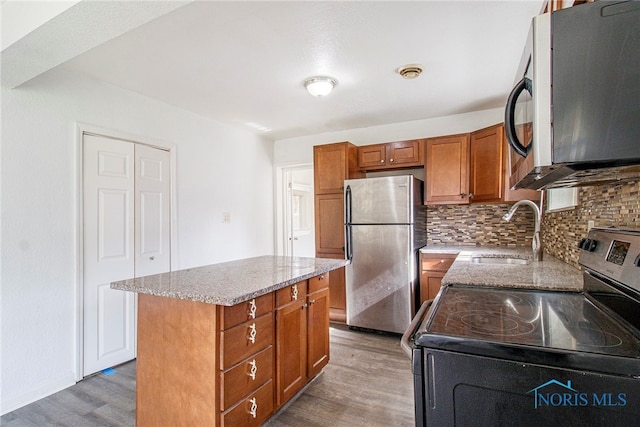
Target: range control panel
614,253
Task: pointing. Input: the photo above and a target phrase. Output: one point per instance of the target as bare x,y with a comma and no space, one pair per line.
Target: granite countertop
548,274
233,282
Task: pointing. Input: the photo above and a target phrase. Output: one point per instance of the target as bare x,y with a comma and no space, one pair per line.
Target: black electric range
506,356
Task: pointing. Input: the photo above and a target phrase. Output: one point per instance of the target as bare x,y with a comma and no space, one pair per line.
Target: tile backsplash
478,225
608,205
482,225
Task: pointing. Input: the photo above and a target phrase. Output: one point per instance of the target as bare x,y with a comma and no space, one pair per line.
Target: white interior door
152,206
108,191
299,214
126,189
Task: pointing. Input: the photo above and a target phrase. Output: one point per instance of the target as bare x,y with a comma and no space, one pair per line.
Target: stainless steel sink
498,259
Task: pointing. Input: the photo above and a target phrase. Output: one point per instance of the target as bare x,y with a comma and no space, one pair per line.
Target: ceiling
243,63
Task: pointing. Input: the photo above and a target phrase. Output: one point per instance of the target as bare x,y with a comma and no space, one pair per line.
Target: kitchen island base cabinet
302,331
211,365
177,364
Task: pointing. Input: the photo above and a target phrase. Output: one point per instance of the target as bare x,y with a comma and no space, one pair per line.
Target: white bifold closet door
126,202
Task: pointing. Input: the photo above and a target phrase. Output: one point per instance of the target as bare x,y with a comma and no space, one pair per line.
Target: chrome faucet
536,244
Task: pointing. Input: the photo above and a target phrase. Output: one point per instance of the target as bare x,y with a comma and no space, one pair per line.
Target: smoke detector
410,71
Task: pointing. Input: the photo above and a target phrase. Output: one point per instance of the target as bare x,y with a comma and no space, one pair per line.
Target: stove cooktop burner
543,319
495,324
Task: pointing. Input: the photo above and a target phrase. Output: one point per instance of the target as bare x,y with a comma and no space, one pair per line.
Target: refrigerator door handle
349,252
347,205
347,221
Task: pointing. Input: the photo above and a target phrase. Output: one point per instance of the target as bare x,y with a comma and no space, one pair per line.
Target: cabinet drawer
240,342
291,293
245,311
319,282
437,262
245,377
253,410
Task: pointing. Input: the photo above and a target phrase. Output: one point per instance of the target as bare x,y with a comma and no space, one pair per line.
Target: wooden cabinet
486,176
205,364
302,335
470,168
329,223
291,343
433,267
391,155
446,170
318,325
246,361
332,164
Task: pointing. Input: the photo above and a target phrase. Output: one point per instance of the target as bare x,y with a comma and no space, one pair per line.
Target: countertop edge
130,285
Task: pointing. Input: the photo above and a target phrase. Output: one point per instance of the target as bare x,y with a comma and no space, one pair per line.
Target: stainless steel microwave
573,117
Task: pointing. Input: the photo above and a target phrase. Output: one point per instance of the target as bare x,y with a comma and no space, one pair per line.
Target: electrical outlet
590,224
226,217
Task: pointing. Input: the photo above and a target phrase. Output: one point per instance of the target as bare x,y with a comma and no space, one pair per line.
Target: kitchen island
230,343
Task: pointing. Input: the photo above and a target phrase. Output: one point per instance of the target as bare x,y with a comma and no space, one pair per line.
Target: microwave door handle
509,119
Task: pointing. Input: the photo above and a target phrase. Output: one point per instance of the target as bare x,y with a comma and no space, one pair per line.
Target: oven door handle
407,337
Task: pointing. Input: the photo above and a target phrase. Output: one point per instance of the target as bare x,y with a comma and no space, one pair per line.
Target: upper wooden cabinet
485,166
332,164
446,170
470,168
391,155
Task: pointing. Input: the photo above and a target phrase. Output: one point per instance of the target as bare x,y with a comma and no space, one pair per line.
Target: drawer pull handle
252,308
254,369
254,407
294,292
252,333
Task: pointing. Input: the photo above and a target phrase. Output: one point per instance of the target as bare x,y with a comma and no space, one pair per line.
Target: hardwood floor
367,382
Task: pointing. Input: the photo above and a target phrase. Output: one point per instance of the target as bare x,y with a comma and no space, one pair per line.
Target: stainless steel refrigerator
385,226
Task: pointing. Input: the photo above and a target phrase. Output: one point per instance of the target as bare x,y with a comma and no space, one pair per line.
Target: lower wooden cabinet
251,411
433,267
317,331
291,348
302,339
203,364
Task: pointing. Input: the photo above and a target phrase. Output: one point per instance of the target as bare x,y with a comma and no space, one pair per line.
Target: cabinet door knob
254,369
254,407
463,195
252,308
312,301
381,161
252,333
152,258
471,195
391,160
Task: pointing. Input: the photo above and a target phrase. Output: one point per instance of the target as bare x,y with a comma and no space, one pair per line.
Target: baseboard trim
11,403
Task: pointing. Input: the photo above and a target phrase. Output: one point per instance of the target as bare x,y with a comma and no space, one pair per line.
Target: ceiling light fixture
410,71
320,85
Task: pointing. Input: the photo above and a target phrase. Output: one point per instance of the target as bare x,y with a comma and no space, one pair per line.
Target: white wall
219,169
300,150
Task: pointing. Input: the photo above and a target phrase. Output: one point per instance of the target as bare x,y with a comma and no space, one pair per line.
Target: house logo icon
547,399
